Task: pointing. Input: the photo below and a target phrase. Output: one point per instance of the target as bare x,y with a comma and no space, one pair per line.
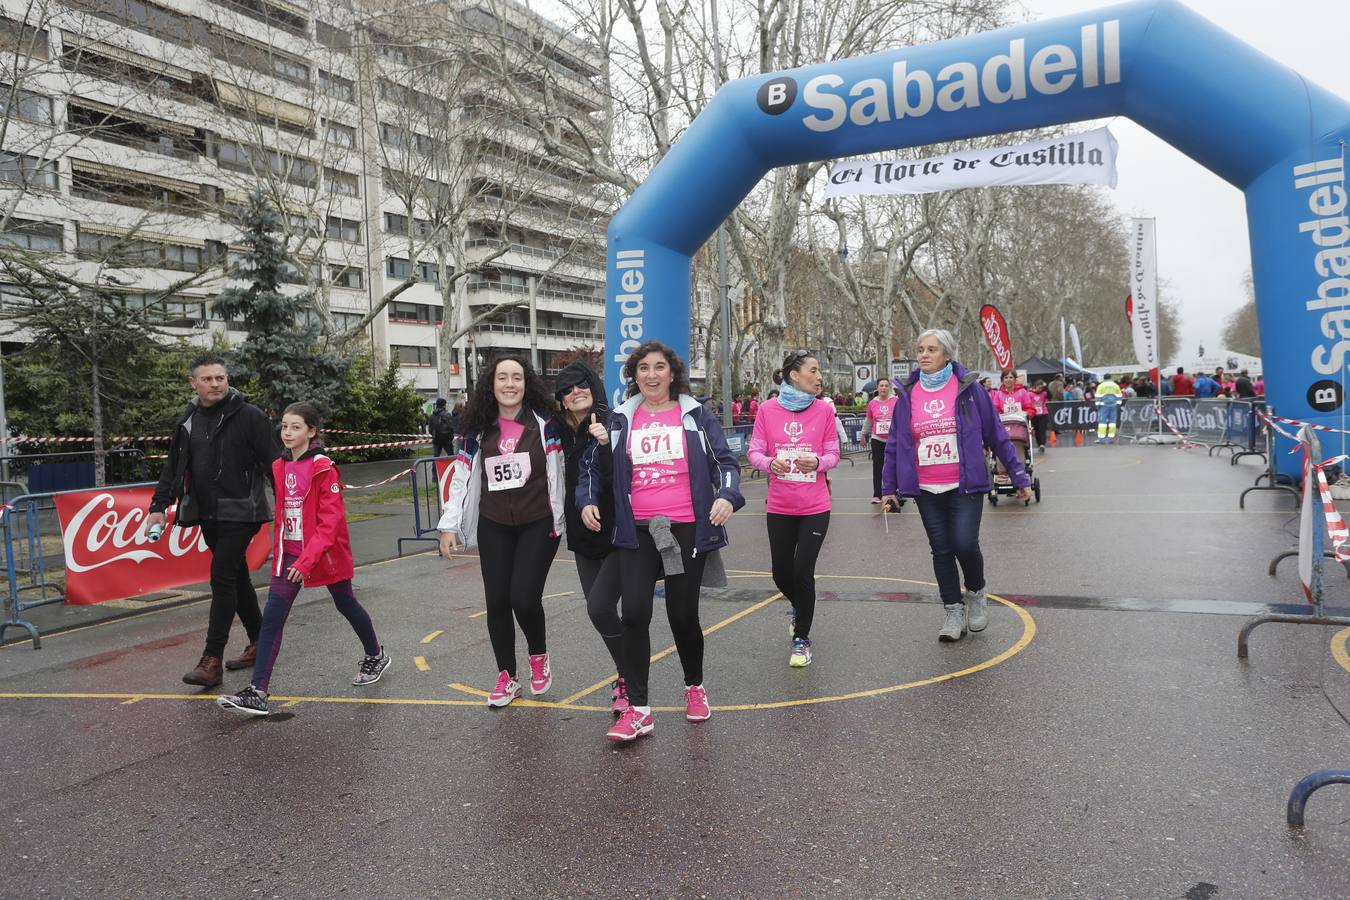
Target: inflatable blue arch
1255,123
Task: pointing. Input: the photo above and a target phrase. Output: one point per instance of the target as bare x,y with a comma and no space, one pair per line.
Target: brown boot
244,660
207,674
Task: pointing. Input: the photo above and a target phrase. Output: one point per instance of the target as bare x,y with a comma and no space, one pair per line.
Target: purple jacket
977,427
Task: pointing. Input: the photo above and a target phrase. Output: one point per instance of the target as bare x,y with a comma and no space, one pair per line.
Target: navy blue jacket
714,474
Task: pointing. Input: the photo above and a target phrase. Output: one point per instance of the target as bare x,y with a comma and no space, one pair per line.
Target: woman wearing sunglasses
795,442
581,395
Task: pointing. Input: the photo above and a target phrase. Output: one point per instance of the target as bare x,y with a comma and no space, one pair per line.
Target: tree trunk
100,457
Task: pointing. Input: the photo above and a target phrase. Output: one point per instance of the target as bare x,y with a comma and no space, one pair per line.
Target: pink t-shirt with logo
660,457
879,413
782,434
511,430
294,486
933,424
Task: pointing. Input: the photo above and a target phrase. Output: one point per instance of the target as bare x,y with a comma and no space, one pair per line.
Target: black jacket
580,539
243,445
442,425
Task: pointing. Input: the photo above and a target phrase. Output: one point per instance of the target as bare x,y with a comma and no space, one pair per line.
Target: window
393,135
331,36
428,273
24,41
261,58
173,311
395,224
28,171
271,15
146,18
341,135
42,236
344,230
395,267
424,357
336,86
347,277
414,313
26,105
343,183
127,251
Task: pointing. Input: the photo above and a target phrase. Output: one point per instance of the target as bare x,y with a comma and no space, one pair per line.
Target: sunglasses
567,392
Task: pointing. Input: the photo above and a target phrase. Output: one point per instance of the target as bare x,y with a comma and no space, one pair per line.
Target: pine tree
280,355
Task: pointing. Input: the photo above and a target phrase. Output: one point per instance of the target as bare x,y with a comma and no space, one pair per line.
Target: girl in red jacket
312,549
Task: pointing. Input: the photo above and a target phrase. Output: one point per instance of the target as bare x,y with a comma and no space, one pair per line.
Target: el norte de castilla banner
1087,158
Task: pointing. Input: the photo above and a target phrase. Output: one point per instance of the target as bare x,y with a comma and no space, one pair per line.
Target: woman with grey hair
942,423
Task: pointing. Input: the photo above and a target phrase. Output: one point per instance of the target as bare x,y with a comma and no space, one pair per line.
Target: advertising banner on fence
995,329
108,556
443,478
1087,158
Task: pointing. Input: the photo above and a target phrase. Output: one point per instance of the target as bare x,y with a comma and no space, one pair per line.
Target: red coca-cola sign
109,556
444,475
996,333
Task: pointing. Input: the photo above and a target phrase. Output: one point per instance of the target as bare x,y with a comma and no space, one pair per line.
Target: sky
1203,251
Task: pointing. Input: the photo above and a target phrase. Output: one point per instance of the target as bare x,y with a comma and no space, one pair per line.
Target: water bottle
156,531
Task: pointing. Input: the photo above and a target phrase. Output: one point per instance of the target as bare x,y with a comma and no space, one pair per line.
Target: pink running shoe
696,704
620,698
507,689
631,726
541,676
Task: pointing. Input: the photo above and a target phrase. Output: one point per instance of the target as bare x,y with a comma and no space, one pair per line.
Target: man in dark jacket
219,471
442,430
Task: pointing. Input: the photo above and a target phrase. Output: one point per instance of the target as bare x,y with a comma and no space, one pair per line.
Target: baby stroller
1019,432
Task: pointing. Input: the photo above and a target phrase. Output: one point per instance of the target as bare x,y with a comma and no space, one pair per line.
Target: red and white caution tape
1270,420
422,442
1184,443
375,433
117,439
361,487
1336,527
1269,416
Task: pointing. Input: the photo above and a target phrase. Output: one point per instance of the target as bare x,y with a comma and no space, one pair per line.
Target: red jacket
327,554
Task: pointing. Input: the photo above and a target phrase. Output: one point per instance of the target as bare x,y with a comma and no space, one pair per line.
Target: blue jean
952,520
281,596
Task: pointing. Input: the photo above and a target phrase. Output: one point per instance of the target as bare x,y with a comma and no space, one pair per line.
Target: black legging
794,544
600,584
231,588
1040,425
878,460
638,571
515,560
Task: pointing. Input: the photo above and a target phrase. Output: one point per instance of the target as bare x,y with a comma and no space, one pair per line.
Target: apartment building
137,130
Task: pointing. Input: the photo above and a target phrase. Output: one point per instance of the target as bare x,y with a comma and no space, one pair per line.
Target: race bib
293,524
789,456
883,427
938,449
508,471
657,444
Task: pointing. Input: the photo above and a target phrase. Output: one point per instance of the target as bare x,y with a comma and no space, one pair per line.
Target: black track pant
515,560
878,460
638,571
231,589
794,544
600,584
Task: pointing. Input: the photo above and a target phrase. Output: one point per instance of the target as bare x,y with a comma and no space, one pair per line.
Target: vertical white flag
1077,347
1144,291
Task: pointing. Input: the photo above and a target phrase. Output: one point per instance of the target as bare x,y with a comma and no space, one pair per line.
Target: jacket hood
315,448
629,406
233,400
578,373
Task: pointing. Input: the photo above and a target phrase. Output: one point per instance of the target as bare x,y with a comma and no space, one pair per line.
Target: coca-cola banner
996,333
109,557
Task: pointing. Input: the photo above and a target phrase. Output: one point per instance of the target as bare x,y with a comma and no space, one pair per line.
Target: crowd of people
641,493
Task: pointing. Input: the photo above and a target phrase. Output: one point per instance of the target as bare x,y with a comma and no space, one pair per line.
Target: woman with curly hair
674,484
506,497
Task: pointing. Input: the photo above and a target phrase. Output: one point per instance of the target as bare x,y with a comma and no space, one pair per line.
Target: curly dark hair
679,373
482,406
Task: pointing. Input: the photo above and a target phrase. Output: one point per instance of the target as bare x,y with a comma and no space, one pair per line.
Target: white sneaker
955,626
976,614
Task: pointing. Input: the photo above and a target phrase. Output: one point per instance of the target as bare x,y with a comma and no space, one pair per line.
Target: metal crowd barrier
26,520
74,469
426,500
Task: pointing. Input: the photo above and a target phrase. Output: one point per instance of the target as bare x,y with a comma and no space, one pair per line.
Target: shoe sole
543,690
799,665
378,675
224,703
626,738
690,718
504,701
973,630
948,639
205,684
233,666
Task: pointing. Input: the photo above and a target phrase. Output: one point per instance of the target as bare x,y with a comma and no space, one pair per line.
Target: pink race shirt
933,424
783,435
880,412
660,457
511,431
292,491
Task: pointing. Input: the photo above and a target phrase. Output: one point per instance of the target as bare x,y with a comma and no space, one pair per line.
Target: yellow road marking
131,701
671,649
380,701
421,663
1338,648
483,612
431,637
468,690
289,703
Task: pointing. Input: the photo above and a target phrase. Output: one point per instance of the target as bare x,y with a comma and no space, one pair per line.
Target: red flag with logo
996,333
109,556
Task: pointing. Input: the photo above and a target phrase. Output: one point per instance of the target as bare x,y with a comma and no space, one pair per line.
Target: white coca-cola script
99,535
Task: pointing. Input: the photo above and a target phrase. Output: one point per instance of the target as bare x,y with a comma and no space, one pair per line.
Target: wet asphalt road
1099,739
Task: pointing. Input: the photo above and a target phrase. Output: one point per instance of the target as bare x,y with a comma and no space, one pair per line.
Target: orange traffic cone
1053,439
1078,438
